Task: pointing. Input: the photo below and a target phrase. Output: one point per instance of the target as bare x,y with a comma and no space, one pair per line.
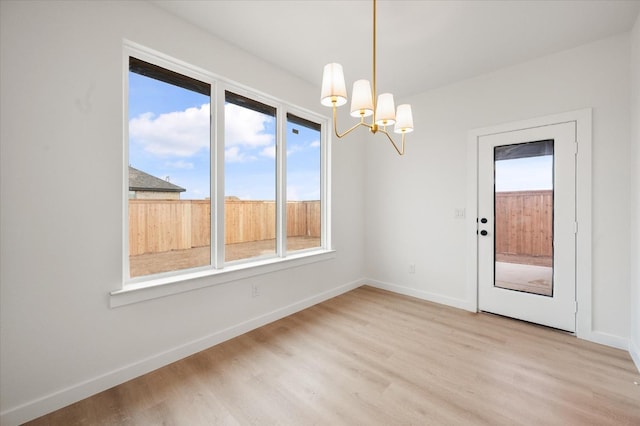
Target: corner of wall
634,351
634,340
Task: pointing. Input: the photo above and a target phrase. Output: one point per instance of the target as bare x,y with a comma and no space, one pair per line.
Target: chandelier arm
400,151
346,132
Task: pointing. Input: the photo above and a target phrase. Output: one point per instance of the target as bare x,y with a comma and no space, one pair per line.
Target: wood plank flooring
370,357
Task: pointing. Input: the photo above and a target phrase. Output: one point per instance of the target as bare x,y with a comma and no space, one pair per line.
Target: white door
527,225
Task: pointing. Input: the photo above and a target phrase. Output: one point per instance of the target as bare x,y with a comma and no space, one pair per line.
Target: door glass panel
523,230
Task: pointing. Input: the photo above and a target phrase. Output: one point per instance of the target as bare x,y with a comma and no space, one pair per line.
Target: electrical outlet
459,213
255,291
412,268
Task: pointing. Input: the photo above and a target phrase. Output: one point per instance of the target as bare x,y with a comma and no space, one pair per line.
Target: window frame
146,287
324,175
223,88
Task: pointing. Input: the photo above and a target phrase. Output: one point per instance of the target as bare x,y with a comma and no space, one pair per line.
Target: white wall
410,201
634,344
61,135
61,254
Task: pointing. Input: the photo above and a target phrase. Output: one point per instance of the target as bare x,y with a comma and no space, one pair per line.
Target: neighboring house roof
141,181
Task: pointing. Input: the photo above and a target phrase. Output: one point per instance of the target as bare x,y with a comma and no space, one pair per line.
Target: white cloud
179,133
185,133
246,127
180,164
315,144
269,151
234,155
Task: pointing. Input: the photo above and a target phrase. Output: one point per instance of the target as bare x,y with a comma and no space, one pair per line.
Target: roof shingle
141,181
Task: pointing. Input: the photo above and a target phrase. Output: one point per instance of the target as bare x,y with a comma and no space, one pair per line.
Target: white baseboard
634,351
79,391
592,336
424,295
605,339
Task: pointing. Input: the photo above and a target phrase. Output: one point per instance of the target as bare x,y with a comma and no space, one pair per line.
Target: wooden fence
163,225
524,223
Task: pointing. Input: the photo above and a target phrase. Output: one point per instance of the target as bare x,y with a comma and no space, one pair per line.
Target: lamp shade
333,87
361,100
404,119
385,110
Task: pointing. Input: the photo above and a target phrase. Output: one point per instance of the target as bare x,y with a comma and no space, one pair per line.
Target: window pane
250,178
524,217
169,171
303,184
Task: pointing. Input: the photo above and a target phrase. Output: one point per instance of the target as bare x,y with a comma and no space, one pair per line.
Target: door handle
484,233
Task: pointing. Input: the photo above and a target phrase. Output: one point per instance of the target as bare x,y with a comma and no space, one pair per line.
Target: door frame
582,119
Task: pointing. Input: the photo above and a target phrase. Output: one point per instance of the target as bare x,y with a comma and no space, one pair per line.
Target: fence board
524,223
249,221
303,219
164,225
313,219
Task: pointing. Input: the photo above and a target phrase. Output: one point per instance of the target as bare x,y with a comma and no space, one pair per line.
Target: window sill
161,287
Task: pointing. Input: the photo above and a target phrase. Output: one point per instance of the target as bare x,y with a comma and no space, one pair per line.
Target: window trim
147,287
193,279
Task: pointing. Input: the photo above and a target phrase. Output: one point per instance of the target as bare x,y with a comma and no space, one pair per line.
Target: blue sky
522,174
169,136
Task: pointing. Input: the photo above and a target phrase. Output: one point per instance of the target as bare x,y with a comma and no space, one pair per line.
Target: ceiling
421,45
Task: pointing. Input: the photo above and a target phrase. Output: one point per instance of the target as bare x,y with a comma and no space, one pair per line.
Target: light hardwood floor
371,357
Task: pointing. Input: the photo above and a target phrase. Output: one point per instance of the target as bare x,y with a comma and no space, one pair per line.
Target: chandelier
363,103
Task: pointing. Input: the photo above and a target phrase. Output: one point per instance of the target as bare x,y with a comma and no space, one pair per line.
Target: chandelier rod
374,61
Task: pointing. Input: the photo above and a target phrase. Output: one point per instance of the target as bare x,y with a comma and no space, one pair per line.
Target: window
304,218
250,178
201,198
169,170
